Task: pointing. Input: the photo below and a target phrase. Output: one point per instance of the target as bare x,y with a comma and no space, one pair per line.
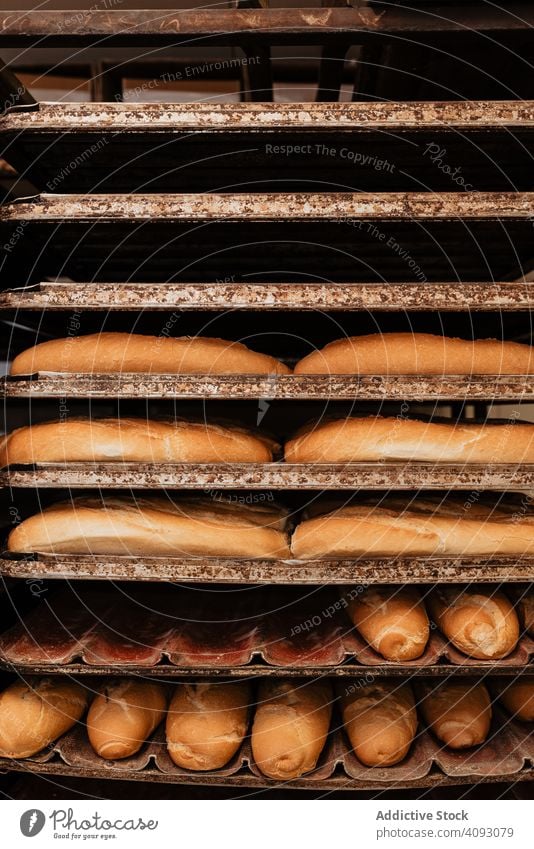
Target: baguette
154,526
458,712
518,698
355,440
34,714
110,353
392,620
380,720
135,441
418,353
123,715
290,726
206,724
418,527
480,622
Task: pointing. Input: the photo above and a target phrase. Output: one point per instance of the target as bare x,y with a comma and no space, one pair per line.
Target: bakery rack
197,181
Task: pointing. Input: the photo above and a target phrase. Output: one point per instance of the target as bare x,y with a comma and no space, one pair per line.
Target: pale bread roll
380,720
418,353
480,622
359,440
154,526
290,726
458,712
392,620
110,353
206,724
123,715
415,528
135,441
34,714
518,698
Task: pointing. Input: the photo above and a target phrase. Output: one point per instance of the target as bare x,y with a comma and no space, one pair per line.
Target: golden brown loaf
123,715
34,714
134,440
355,440
480,622
418,353
397,526
290,726
518,698
154,526
458,712
392,620
380,720
110,353
525,606
206,724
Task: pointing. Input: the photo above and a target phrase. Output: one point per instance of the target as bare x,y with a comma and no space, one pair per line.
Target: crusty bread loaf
154,526
458,712
480,621
525,606
290,726
418,353
34,714
134,440
416,527
392,620
356,440
124,713
107,353
380,720
206,724
518,698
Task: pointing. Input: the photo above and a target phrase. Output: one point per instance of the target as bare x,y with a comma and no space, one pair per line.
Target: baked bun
154,526
206,724
418,353
123,715
111,353
415,527
34,714
380,720
458,712
290,726
525,606
480,622
392,620
359,440
135,441
518,698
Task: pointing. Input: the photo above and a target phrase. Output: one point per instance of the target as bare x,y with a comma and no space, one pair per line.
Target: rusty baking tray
238,634
209,570
276,475
378,297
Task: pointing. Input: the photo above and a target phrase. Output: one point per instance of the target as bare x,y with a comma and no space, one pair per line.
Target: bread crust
206,724
154,526
458,712
34,714
134,440
123,715
290,726
417,353
392,620
380,720
110,353
357,440
518,699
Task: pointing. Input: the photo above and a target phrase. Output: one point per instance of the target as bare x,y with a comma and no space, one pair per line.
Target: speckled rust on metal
380,297
279,476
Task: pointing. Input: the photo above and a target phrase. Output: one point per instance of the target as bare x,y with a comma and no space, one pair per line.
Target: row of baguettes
386,526
348,440
206,723
386,353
